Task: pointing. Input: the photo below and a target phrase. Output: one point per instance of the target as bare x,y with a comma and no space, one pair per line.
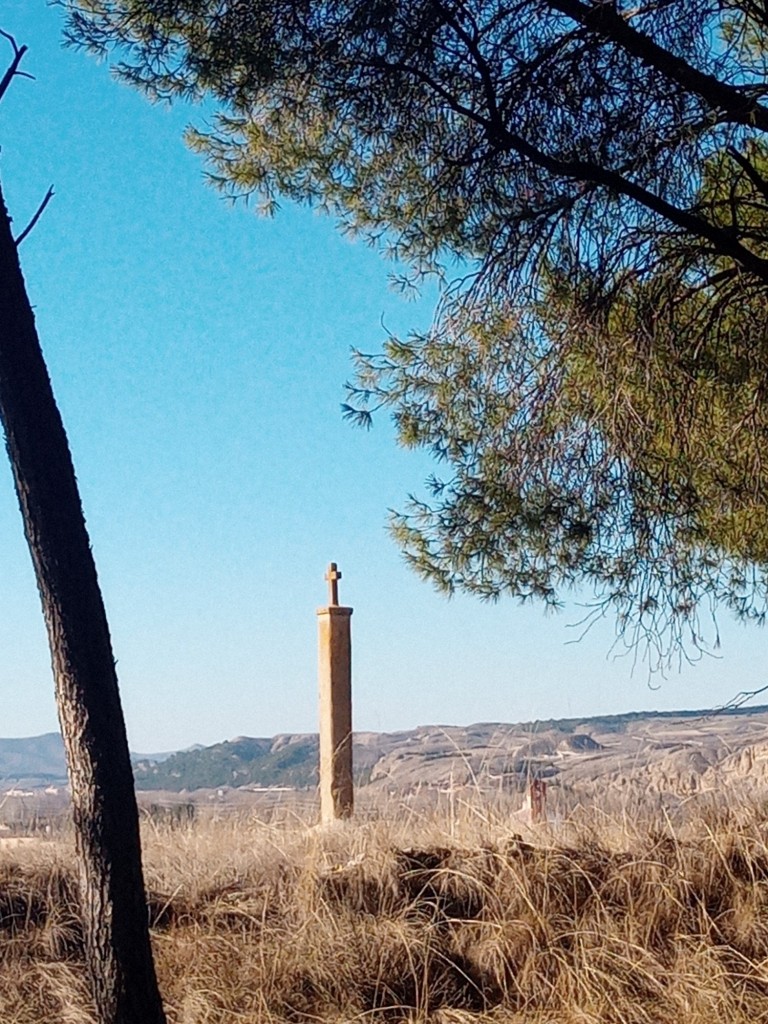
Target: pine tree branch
750,170
725,242
499,136
605,20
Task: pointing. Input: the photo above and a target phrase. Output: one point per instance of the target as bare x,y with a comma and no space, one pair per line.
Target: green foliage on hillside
241,762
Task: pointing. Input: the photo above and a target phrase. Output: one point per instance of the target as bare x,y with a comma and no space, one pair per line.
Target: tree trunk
103,797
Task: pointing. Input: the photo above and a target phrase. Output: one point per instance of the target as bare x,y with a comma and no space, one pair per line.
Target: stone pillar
335,675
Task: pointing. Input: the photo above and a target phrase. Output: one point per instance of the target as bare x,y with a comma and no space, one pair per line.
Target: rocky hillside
678,753
682,753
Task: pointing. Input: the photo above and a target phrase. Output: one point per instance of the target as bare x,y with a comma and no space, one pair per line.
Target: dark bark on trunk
104,801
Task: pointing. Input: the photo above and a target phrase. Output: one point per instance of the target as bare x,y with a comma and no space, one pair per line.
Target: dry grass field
428,917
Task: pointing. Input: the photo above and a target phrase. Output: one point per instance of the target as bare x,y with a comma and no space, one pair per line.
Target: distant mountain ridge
683,750
485,755
35,761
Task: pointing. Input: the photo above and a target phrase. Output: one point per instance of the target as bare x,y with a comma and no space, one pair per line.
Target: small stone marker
335,676
538,793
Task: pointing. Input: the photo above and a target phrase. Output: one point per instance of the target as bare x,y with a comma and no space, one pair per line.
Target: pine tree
593,378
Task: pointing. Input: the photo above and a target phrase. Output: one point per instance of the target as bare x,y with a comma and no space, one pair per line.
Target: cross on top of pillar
333,576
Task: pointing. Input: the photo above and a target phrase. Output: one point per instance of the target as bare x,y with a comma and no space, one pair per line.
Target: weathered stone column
335,674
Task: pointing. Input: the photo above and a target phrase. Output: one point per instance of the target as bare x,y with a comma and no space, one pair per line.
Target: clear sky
198,354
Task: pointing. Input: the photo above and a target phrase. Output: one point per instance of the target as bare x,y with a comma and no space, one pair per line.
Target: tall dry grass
419,917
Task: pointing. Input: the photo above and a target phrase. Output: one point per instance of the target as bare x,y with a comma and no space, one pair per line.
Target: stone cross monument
335,674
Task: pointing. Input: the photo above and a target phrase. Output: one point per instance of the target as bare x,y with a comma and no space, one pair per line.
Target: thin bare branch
737,702
13,67
38,214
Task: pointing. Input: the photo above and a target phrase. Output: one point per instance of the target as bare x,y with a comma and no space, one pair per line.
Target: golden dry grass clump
391,921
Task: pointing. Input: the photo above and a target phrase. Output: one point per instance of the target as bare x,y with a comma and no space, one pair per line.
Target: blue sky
198,355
